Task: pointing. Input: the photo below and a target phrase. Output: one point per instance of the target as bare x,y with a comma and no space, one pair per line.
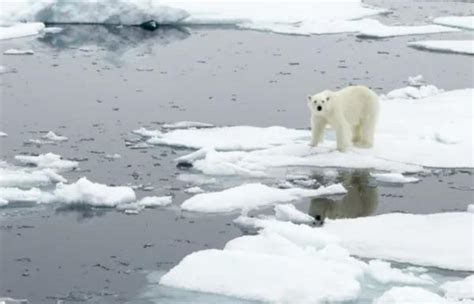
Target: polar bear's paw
364,145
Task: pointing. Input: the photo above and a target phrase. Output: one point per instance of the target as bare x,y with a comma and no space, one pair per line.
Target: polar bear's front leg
317,130
343,136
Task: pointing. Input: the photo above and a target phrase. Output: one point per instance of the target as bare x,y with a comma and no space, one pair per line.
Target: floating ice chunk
396,178
3,202
53,30
155,201
86,192
230,138
18,52
375,29
288,212
147,133
441,240
141,145
54,137
383,272
252,196
400,295
187,125
32,195
131,211
466,22
12,301
470,208
3,134
48,160
194,190
445,46
413,92
463,289
112,156
264,277
415,80
20,30
18,177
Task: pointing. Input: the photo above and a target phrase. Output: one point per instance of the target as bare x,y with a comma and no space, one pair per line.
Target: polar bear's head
320,104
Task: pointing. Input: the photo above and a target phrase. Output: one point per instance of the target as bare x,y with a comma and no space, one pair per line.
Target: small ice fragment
48,160
147,133
18,52
144,69
155,201
187,125
288,212
54,137
194,190
53,30
141,145
415,80
13,301
396,178
112,156
3,134
131,211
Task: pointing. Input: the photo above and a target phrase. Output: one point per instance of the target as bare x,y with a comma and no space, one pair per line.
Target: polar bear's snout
319,108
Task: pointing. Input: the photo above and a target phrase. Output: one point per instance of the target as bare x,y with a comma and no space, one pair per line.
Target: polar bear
352,112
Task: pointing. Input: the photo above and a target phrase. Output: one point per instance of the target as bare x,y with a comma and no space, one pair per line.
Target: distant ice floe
445,46
415,80
458,290
252,196
375,29
253,151
394,178
18,52
144,132
187,125
48,160
51,136
194,190
287,262
20,29
465,22
11,176
3,134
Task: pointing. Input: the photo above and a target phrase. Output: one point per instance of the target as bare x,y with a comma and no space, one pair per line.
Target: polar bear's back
358,102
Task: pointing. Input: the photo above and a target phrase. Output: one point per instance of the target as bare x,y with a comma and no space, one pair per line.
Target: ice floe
18,52
412,92
252,196
48,160
445,46
383,272
51,136
396,178
415,80
187,125
20,30
465,22
439,125
11,176
144,132
194,190
9,195
408,294
146,202
375,29
3,134
86,192
462,289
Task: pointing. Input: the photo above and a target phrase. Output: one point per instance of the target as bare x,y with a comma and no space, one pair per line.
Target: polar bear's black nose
320,108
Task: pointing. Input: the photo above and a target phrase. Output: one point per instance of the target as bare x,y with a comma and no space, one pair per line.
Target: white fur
352,112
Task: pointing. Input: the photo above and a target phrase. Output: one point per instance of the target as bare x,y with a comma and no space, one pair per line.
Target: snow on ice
465,22
252,196
445,46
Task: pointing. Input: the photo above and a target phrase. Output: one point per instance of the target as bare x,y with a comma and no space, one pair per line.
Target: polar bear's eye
322,101
327,98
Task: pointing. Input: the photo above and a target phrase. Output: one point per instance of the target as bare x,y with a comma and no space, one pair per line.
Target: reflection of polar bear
361,199
352,112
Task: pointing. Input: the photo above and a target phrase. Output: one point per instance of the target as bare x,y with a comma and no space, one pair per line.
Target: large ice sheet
466,22
411,134
252,196
445,46
20,30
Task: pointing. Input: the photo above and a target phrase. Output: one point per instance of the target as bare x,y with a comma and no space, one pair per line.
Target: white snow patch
465,22
375,29
230,138
413,92
147,133
20,30
194,190
408,294
462,289
396,178
447,46
48,160
86,192
252,196
18,52
288,212
187,125
54,137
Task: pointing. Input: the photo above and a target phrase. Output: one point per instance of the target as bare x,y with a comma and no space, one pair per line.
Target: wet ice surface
95,84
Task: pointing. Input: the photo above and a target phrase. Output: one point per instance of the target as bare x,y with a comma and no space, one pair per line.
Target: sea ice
53,30
3,134
413,92
465,22
288,212
383,272
18,52
24,178
396,178
187,125
445,46
54,137
194,190
48,160
20,30
375,29
33,195
146,202
408,294
147,133
252,196
462,289
86,192
415,80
